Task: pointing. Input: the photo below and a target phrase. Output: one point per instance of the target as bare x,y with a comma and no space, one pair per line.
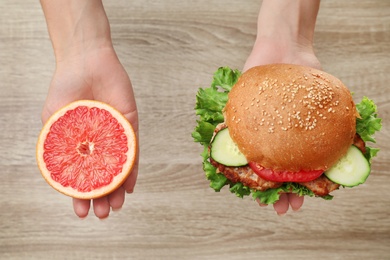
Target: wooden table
170,49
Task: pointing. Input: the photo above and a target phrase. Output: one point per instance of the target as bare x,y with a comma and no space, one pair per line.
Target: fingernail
116,209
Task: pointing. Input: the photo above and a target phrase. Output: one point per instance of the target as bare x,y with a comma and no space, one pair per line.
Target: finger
81,207
261,204
117,198
129,184
281,206
101,207
296,201
44,116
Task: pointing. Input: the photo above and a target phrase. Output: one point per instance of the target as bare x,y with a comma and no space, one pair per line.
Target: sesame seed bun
290,117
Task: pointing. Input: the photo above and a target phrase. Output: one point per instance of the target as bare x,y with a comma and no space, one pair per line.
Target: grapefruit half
86,149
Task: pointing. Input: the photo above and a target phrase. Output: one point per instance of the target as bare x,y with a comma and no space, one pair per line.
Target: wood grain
170,49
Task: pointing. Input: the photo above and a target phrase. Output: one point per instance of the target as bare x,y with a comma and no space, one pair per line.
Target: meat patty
321,186
246,176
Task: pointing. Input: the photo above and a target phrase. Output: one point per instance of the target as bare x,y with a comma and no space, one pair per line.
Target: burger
283,128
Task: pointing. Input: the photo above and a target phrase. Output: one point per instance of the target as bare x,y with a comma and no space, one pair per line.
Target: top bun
290,117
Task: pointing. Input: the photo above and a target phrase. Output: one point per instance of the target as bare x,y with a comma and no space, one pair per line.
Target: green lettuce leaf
239,189
209,105
217,180
368,124
271,196
225,78
203,132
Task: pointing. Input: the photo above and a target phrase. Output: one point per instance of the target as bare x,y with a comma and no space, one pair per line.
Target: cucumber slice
351,170
225,151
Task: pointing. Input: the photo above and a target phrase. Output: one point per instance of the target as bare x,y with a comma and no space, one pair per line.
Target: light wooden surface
170,49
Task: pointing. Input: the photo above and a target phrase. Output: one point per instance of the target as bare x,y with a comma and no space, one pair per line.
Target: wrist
285,33
76,27
288,22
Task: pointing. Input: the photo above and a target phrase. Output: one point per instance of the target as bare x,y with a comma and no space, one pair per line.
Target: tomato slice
284,176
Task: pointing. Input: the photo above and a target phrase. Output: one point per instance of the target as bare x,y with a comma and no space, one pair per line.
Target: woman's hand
87,67
96,75
285,32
